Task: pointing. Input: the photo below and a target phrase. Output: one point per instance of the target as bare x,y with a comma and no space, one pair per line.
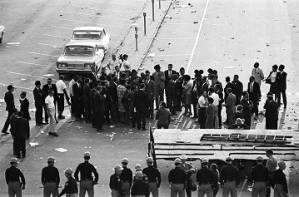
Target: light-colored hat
86,154
116,168
260,158
183,157
204,160
13,160
138,167
281,164
68,171
125,160
149,160
51,159
177,161
138,175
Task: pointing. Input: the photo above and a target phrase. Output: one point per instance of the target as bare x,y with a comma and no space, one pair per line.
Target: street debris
193,11
169,17
33,144
13,43
195,22
32,110
23,79
42,132
111,136
79,127
160,49
112,126
151,55
98,13
258,51
62,150
2,101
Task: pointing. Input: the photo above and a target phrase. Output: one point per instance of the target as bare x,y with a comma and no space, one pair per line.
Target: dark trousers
114,112
255,108
39,114
219,115
178,105
140,117
46,114
19,147
7,122
284,97
202,115
271,123
188,192
151,108
162,126
60,103
72,104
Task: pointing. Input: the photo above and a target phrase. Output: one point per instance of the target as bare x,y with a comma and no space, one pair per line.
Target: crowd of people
183,179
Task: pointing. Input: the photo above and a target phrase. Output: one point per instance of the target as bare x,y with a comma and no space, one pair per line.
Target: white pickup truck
1,33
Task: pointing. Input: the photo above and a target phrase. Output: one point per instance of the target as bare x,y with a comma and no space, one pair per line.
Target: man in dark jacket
206,179
177,179
254,95
139,187
86,99
227,86
259,178
78,98
168,76
50,178
229,178
10,107
282,85
70,187
150,91
154,177
115,182
237,88
271,113
141,103
99,106
46,89
20,131
39,101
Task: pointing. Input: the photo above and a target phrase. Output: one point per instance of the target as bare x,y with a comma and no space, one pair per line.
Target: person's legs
7,122
284,98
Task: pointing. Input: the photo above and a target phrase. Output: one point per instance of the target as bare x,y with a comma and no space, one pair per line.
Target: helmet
177,161
68,171
51,159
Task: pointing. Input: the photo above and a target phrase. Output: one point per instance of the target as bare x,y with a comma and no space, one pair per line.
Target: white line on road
30,63
171,55
197,37
28,75
50,45
42,54
54,36
175,38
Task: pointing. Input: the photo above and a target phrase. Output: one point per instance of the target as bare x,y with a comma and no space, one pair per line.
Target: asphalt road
226,35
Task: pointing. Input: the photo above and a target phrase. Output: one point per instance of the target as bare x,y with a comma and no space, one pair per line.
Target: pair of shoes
5,133
61,117
45,123
53,134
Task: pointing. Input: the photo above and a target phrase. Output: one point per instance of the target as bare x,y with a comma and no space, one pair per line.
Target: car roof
88,28
90,43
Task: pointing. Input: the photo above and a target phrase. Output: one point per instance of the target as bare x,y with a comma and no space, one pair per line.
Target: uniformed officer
115,182
154,177
206,179
138,168
70,187
259,178
50,178
126,178
177,179
271,165
139,187
15,179
229,178
280,181
87,181
188,170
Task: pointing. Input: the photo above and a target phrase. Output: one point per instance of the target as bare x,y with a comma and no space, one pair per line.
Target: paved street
228,36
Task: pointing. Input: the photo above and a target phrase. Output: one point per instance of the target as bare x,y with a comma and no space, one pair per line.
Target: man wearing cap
177,179
271,113
15,179
126,178
115,182
50,178
259,178
87,181
139,187
70,187
229,178
271,166
206,179
187,168
10,107
280,181
154,177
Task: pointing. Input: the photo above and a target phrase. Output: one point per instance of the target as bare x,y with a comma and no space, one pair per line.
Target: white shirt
202,102
273,77
215,98
72,82
50,102
60,86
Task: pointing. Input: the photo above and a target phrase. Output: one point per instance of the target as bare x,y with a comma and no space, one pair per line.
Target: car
1,33
96,34
80,57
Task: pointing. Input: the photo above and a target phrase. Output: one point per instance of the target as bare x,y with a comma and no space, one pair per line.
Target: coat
258,75
210,119
159,81
39,98
255,94
19,127
24,107
168,77
46,88
282,81
9,100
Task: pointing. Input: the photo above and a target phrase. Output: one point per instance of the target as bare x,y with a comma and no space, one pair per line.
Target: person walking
259,178
257,73
206,179
15,179
230,104
271,113
10,107
88,176
154,177
50,178
50,106
126,178
115,182
280,181
177,180
282,85
163,116
61,93
139,188
271,166
24,105
70,188
46,89
254,92
210,117
229,178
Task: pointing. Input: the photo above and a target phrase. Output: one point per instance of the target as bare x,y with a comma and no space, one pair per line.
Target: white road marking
31,63
54,36
171,55
13,43
50,45
197,37
42,54
175,38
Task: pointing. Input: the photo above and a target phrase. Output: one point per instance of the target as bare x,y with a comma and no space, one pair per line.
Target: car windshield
79,51
87,35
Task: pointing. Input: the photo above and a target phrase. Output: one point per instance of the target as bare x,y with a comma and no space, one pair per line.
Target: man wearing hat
15,179
177,179
280,181
229,178
115,182
88,176
126,178
259,178
271,166
10,107
206,179
188,170
139,187
271,113
154,177
50,178
70,187
39,101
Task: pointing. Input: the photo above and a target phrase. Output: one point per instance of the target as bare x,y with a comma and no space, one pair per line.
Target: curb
154,37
